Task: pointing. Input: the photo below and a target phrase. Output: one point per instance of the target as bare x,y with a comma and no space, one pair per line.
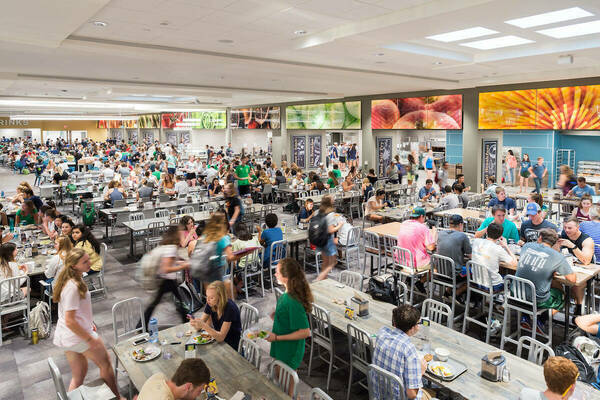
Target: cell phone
189,316
425,321
139,341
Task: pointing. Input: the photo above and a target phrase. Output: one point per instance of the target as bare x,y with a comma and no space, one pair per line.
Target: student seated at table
187,383
272,234
215,188
85,239
534,198
450,200
115,192
395,352
146,191
592,229
502,200
317,184
581,189
367,189
347,184
63,246
427,192
279,178
491,252
531,227
336,171
582,212
188,231
245,240
560,375
455,244
181,186
306,212
462,196
224,315
9,267
27,214
491,188
539,262
332,180
375,203
418,239
3,216
28,195
509,229
66,228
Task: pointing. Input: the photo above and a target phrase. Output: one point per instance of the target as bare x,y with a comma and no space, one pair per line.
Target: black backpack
383,288
317,230
570,352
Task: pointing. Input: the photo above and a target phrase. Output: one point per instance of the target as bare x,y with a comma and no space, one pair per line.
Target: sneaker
419,285
526,323
540,327
495,327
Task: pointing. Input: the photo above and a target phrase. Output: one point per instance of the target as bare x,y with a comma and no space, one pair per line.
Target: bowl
442,354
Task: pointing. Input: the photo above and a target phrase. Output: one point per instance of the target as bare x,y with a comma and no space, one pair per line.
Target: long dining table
464,348
232,373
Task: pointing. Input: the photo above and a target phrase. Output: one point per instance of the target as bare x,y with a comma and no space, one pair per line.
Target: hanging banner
299,151
489,163
342,115
314,146
255,118
384,154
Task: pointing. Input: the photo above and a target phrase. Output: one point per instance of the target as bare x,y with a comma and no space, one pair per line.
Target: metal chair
473,224
163,198
351,249
404,264
436,311
99,390
315,193
283,376
13,302
126,315
443,275
402,291
253,267
352,279
536,350
360,344
248,316
479,280
365,218
162,213
373,250
383,384
389,242
278,251
314,254
250,351
319,394
95,282
322,338
519,295
303,195
185,210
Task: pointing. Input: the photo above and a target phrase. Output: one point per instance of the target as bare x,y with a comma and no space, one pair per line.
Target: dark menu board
490,159
299,151
384,154
314,145
255,118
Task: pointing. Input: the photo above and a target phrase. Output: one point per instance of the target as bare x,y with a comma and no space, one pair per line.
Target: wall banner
384,154
489,160
299,151
314,145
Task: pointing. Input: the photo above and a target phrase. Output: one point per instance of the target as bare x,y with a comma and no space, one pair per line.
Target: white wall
201,138
20,133
248,137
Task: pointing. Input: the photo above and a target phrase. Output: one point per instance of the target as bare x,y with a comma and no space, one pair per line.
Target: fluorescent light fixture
496,43
99,105
469,33
586,28
61,117
567,14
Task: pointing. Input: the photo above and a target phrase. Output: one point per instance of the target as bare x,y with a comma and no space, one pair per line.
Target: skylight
586,28
567,14
469,33
496,43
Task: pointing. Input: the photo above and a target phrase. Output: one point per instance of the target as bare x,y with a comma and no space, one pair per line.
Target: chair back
136,216
248,315
250,351
519,290
389,242
437,311
152,242
536,349
185,210
402,258
119,203
319,394
278,251
403,292
442,268
126,315
303,194
371,241
478,274
278,292
360,344
283,376
162,213
174,220
59,385
383,384
267,188
10,292
156,228
320,323
473,224
353,236
352,279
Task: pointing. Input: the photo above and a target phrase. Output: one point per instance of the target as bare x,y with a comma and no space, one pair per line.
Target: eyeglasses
570,386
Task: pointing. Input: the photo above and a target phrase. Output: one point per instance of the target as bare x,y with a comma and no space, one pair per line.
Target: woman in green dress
290,320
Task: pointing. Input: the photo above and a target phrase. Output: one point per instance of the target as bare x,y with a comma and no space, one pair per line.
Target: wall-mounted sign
255,118
431,112
195,120
13,122
343,115
384,154
489,163
314,151
299,151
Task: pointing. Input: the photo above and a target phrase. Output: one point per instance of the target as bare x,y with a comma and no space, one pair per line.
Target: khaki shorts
81,347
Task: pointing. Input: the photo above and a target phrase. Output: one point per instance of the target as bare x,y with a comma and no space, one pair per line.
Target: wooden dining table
462,347
232,373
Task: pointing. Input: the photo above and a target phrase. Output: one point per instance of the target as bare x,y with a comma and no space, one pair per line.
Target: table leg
107,223
567,311
131,243
589,301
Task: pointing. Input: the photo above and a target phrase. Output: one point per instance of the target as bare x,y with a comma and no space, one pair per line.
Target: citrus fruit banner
562,108
431,112
342,115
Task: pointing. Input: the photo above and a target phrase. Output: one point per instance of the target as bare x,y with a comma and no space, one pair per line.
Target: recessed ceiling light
84,98
164,23
64,90
300,32
109,91
496,43
586,28
459,73
379,62
101,24
437,63
469,33
136,78
567,14
225,41
379,54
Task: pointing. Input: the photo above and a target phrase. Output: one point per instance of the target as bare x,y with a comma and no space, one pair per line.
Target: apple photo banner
384,154
314,145
299,151
431,112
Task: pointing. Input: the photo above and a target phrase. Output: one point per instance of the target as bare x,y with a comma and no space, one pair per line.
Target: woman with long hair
75,330
582,212
66,228
8,267
411,169
332,181
85,239
567,179
188,230
27,214
290,322
215,188
329,251
510,163
221,317
63,246
524,174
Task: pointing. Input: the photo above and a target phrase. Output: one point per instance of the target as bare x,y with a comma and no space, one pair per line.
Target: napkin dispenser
492,366
361,305
190,351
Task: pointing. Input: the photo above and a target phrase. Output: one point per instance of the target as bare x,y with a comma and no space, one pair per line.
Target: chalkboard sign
490,159
314,144
384,154
133,135
172,137
185,137
148,135
299,151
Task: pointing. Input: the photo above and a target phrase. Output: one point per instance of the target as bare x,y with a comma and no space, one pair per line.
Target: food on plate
440,369
257,335
144,354
428,357
203,338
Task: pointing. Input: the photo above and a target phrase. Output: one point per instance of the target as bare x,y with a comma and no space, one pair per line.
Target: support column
471,151
228,131
368,150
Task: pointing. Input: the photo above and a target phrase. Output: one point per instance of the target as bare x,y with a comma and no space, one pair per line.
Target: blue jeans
538,184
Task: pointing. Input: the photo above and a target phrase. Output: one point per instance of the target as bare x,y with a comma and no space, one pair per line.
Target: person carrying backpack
320,233
167,272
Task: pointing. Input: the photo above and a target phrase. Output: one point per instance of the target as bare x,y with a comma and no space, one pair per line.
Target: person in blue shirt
538,171
581,189
427,191
306,212
272,234
502,200
524,180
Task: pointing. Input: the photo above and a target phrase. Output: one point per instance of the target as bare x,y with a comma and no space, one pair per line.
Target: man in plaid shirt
395,353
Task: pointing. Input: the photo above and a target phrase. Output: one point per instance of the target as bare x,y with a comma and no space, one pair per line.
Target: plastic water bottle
2,194
283,227
153,330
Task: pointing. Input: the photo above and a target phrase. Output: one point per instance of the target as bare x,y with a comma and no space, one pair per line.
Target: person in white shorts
75,330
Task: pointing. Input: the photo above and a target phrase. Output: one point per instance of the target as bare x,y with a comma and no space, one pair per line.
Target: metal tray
456,365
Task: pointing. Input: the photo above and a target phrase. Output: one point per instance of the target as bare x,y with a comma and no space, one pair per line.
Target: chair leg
490,312
349,379
504,328
465,322
310,358
331,357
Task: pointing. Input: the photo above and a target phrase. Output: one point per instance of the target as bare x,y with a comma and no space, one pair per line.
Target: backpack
317,230
586,372
88,213
148,269
203,260
436,178
291,207
39,318
383,288
589,348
